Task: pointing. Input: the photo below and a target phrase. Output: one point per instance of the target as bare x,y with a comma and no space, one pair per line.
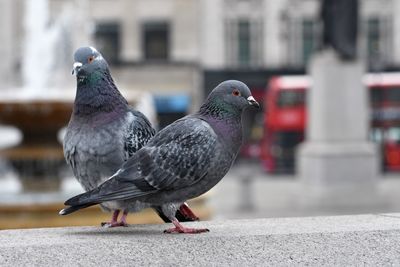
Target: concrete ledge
339,241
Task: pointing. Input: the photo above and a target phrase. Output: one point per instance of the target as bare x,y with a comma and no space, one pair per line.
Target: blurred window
377,96
156,40
392,134
302,37
379,41
373,35
288,139
376,135
382,96
393,95
291,98
244,42
107,37
308,39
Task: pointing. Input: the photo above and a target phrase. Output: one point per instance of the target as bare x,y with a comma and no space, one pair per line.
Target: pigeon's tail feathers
95,196
111,190
72,209
83,199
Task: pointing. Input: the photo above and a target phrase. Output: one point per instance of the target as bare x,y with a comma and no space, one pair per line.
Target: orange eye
90,59
236,92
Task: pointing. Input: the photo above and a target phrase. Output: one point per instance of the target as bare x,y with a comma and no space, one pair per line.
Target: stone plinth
368,240
336,153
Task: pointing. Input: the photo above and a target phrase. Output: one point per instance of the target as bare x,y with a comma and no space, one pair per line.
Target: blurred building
175,48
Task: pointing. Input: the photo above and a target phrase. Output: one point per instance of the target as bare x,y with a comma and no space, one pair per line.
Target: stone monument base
338,164
337,161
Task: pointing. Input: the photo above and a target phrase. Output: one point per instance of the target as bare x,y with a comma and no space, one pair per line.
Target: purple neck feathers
98,94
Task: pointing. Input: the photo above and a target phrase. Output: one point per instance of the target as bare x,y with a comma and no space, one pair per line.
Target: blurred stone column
337,153
337,164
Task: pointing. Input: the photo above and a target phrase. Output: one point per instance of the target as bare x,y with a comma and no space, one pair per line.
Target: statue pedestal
337,159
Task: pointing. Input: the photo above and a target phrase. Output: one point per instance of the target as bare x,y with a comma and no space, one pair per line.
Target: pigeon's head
87,61
232,95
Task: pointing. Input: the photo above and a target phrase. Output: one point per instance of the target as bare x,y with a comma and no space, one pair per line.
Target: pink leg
114,220
179,228
123,222
187,212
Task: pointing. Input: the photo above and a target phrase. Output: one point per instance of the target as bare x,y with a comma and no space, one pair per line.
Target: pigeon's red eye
236,92
90,59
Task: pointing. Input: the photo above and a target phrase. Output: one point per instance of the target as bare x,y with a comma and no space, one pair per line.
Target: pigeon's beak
253,102
76,67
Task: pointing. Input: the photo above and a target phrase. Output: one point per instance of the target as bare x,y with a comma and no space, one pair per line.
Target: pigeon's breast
219,167
95,153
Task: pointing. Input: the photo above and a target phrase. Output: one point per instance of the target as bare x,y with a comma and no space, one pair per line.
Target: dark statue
340,19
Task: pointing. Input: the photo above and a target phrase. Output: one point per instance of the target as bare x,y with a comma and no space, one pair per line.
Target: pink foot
187,212
114,220
180,229
113,224
123,222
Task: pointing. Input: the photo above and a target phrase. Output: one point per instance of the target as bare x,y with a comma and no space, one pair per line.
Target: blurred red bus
285,119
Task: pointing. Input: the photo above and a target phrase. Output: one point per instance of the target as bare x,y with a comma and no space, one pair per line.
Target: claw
180,229
113,224
114,220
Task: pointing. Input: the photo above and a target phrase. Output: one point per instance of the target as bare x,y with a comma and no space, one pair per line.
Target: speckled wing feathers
178,158
137,133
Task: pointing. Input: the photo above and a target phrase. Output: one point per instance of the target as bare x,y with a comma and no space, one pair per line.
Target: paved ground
368,240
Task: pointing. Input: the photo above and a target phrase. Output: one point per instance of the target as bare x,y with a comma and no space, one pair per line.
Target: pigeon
182,161
103,132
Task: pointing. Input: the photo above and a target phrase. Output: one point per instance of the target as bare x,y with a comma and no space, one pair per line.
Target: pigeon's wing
177,157
69,152
138,132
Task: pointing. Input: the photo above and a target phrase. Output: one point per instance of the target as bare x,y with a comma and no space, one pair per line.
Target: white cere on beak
251,99
77,64
253,102
75,67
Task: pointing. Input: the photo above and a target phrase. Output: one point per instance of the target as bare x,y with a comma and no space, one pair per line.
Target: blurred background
165,56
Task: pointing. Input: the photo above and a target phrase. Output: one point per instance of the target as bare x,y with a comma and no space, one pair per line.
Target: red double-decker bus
285,119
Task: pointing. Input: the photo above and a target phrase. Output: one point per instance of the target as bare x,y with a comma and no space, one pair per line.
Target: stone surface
341,241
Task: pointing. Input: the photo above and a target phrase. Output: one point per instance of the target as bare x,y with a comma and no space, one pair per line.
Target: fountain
36,109
39,109
43,105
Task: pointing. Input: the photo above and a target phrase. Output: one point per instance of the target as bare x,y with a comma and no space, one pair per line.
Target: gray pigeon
182,161
103,132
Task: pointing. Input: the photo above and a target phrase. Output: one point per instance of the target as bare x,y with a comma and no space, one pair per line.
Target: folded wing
177,157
